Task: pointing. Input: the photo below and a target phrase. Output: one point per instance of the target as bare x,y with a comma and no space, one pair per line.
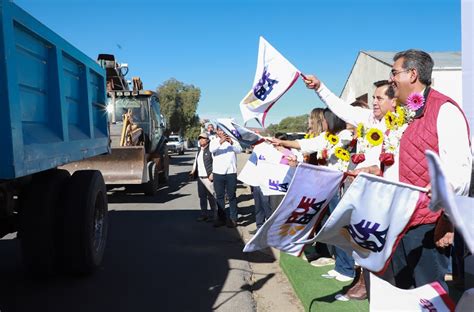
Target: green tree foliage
179,104
290,124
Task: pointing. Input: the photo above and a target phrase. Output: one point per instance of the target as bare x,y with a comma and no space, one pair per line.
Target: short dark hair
389,92
335,124
360,103
381,83
419,60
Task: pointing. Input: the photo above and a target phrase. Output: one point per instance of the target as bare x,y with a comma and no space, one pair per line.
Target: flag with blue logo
429,297
274,76
369,219
304,204
244,136
250,173
275,178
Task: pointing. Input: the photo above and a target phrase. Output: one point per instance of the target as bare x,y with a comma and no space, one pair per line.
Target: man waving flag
274,76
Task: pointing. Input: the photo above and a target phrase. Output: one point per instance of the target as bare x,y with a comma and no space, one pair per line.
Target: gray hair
419,60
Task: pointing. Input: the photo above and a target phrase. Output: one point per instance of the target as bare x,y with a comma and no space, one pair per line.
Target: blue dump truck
53,99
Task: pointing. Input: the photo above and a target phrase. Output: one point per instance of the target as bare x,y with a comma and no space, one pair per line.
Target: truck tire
165,170
151,187
40,203
85,222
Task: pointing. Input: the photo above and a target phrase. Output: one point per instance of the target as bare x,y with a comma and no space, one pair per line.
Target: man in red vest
422,254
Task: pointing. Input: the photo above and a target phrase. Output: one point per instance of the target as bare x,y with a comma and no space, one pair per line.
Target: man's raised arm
350,114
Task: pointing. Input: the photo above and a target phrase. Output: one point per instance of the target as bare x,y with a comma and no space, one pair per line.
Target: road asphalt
159,258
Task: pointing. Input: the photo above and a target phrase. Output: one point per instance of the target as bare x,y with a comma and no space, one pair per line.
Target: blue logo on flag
264,86
364,230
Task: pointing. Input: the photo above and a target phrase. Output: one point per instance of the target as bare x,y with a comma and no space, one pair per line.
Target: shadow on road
154,261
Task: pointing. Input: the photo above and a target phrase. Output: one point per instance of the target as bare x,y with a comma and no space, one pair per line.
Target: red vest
421,135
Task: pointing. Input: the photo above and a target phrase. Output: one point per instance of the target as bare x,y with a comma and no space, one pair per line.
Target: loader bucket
125,165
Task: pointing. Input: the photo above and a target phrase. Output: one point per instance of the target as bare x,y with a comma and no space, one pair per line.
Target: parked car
175,144
295,135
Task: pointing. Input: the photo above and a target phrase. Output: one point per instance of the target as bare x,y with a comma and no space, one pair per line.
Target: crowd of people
408,116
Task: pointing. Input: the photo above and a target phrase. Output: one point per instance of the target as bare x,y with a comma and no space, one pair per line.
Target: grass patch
315,292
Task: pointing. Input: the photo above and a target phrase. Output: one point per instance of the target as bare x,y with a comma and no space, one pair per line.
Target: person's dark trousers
416,260
226,184
263,211
204,197
275,201
344,262
457,255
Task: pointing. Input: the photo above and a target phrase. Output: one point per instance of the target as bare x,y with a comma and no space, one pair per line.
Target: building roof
442,60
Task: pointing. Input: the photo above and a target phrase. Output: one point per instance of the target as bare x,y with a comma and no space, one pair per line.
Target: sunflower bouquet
366,139
334,147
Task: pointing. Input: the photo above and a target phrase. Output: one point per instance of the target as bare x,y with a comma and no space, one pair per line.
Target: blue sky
213,44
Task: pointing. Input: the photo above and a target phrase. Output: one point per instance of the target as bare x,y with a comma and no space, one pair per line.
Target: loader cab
145,110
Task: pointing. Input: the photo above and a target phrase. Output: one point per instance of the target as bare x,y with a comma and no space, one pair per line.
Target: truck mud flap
125,165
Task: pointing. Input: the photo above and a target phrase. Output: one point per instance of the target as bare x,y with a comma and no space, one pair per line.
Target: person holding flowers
330,145
370,123
432,121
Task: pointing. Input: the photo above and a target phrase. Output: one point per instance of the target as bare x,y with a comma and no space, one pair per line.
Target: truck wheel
40,204
85,222
151,187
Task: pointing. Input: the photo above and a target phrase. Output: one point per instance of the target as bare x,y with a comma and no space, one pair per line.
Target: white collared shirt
225,160
200,164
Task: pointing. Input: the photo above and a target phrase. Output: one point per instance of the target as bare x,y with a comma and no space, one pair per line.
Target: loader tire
85,223
40,204
151,187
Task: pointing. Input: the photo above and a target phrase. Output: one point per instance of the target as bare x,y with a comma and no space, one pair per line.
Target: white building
371,66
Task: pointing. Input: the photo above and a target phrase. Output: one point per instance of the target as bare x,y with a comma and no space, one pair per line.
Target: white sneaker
341,297
338,276
323,262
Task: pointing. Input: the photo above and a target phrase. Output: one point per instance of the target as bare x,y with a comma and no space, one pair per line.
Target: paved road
158,258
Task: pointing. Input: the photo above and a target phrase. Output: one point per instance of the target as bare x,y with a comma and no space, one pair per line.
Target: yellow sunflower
401,116
360,130
342,154
332,138
375,136
390,120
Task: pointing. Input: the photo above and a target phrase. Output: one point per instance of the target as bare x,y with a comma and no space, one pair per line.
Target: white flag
308,195
244,136
273,77
264,151
369,218
429,297
460,209
274,178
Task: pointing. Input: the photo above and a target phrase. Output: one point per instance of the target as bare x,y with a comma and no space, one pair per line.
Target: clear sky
213,44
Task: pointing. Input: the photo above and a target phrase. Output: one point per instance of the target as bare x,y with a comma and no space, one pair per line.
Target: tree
178,104
290,124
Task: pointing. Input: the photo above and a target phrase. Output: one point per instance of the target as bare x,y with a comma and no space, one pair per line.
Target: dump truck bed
52,97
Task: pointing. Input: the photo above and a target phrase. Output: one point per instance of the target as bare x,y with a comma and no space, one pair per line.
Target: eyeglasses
395,72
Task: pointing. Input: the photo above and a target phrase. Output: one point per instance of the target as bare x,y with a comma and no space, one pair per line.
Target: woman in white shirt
329,145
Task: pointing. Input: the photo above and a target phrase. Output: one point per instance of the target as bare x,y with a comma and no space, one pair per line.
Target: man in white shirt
383,100
224,169
202,169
